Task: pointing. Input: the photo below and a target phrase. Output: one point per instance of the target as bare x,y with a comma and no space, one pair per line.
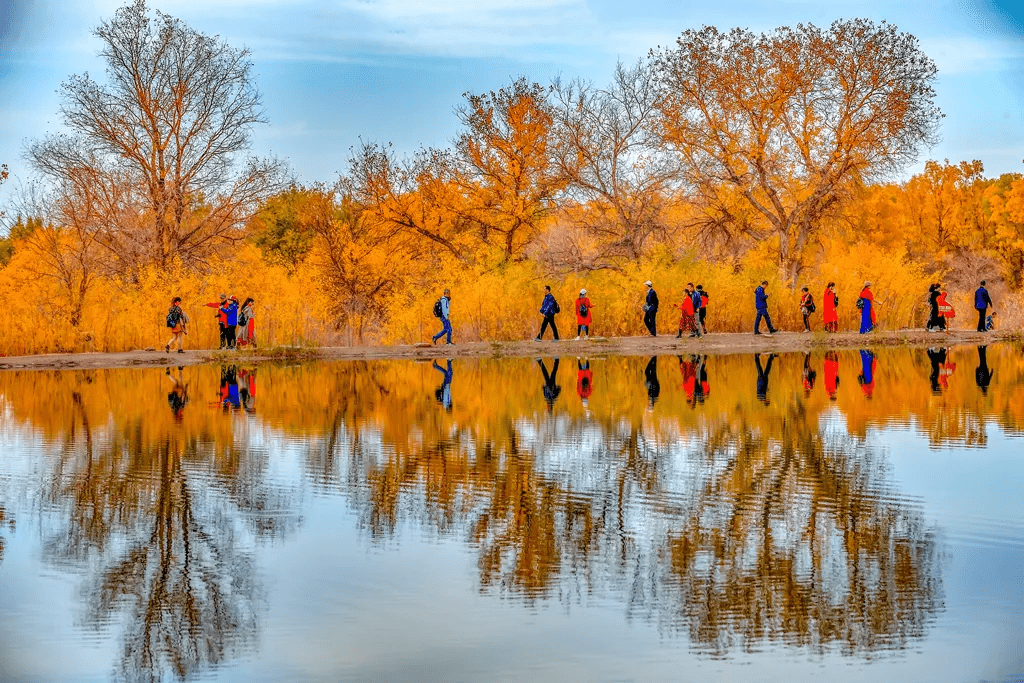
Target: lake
843,516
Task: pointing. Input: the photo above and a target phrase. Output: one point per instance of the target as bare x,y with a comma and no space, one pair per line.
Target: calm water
827,517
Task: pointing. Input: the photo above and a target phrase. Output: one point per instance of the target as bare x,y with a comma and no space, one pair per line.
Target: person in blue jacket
982,302
230,310
651,310
761,303
548,309
446,312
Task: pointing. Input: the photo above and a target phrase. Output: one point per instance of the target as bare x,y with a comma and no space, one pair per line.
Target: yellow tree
503,163
792,118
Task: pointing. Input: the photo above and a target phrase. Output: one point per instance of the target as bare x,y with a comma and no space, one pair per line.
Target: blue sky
392,70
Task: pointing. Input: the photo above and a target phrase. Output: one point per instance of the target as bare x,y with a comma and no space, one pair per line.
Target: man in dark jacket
548,309
761,303
703,316
982,302
651,310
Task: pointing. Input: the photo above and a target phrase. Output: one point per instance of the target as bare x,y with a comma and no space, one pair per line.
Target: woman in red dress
830,301
583,316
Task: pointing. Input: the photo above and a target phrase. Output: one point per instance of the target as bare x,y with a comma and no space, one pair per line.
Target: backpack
860,303
583,310
243,319
437,309
173,316
556,309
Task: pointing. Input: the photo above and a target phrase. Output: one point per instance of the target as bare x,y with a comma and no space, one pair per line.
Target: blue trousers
447,329
767,319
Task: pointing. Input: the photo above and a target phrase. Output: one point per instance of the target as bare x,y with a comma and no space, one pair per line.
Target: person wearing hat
651,310
583,315
230,309
222,319
866,304
761,304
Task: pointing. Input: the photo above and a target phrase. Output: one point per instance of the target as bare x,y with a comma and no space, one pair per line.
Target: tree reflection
800,541
157,520
750,530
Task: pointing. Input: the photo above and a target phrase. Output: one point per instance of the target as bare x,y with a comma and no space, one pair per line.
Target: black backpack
583,310
173,316
437,309
556,309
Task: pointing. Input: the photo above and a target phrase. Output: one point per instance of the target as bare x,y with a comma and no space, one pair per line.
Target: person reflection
941,369
651,381
983,375
247,389
551,387
229,398
809,375
866,378
177,398
584,380
701,389
762,377
831,367
443,393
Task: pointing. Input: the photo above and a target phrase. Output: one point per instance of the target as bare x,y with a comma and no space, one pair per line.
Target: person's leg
757,322
768,319
981,319
703,320
543,326
554,328
448,329
807,322
586,331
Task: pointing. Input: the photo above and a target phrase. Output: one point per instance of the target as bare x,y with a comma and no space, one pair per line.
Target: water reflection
761,514
551,389
983,375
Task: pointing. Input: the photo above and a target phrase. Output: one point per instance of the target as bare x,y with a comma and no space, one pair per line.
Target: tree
792,118
155,150
358,262
503,163
612,160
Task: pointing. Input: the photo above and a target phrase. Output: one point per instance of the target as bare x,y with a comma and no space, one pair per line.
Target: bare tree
156,149
792,118
614,163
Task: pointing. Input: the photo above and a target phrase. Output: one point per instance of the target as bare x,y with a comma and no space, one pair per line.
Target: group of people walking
693,311
236,322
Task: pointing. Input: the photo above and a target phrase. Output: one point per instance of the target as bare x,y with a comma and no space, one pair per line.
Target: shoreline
715,343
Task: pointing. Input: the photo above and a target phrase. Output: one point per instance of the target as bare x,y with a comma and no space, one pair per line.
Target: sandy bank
723,343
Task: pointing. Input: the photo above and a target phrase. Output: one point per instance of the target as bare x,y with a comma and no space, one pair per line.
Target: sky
334,73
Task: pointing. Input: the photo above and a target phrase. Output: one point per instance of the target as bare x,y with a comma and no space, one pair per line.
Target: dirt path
724,343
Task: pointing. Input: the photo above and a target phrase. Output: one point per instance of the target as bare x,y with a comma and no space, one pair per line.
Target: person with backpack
651,310
584,318
761,304
443,310
176,321
936,323
549,309
703,314
222,319
982,302
831,303
946,310
247,324
806,307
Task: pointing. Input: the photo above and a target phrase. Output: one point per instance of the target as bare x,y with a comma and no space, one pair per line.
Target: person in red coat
222,319
584,318
829,302
687,313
